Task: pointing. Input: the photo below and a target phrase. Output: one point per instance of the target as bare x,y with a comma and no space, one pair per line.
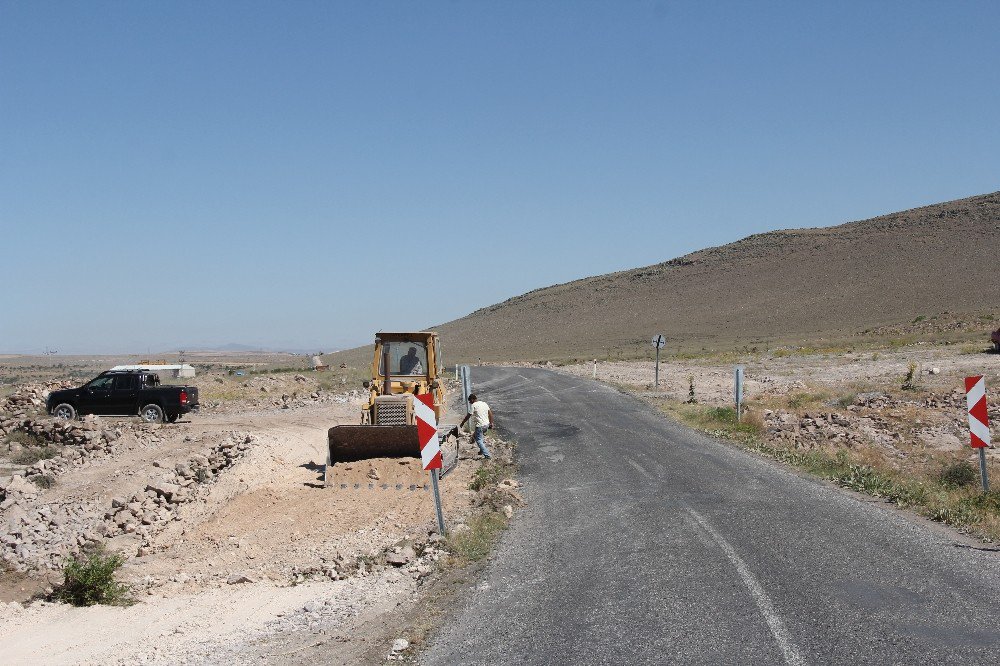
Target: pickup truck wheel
151,414
64,410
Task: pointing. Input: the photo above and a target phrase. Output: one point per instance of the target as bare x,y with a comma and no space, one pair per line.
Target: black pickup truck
124,393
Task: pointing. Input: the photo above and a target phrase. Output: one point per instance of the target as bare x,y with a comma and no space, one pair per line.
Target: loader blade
349,443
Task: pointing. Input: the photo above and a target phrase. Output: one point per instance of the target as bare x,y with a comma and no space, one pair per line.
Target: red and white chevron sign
979,421
427,433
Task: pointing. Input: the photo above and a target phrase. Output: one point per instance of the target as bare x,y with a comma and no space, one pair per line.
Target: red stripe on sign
978,443
435,461
971,381
979,413
425,432
427,399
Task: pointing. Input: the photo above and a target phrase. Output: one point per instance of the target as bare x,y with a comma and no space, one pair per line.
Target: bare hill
792,285
782,285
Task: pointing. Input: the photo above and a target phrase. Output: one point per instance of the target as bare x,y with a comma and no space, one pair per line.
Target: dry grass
944,488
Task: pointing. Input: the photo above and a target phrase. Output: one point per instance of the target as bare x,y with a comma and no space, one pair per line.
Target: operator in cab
410,364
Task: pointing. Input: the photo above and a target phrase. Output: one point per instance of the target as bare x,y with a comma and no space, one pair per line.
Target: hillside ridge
786,285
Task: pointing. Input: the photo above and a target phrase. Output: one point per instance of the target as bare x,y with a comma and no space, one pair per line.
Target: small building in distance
176,370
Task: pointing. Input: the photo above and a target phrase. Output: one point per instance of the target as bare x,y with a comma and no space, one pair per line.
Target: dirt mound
378,474
792,285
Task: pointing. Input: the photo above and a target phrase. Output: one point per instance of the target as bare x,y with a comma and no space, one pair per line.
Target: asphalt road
646,543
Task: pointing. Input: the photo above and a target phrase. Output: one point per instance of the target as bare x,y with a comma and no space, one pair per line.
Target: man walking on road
482,420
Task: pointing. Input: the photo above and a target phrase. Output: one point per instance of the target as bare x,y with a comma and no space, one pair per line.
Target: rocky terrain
901,409
221,515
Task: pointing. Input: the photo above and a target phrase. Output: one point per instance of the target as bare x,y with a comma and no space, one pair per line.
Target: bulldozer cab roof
418,336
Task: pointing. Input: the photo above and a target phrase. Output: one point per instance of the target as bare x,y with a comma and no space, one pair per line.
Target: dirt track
266,520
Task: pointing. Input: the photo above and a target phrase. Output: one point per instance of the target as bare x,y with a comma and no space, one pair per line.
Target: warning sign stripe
979,423
427,435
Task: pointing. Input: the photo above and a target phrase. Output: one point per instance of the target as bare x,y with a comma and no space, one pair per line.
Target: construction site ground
264,552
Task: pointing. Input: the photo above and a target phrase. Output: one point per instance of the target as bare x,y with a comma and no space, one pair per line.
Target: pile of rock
146,513
43,536
85,434
27,401
812,429
76,442
40,536
954,399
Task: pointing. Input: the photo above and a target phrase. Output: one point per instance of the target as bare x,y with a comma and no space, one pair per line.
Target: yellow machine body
404,365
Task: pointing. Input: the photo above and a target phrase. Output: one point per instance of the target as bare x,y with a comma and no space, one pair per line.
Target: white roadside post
430,447
466,389
659,342
739,392
979,422
595,368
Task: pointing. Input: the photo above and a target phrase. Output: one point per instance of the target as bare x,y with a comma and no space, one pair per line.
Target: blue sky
197,173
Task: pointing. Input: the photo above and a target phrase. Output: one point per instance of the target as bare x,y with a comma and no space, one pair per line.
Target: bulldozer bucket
349,443
355,450
367,456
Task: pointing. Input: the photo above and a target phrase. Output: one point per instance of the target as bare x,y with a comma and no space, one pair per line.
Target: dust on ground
231,538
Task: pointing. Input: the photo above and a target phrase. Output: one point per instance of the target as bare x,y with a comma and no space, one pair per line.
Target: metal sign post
659,342
982,470
739,392
466,379
430,447
437,501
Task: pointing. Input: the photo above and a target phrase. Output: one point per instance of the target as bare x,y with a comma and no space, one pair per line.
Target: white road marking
764,603
639,468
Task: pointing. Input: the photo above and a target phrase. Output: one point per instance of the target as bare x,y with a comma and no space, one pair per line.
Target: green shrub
491,473
800,399
31,455
866,479
474,543
90,580
24,439
44,480
847,400
958,474
910,380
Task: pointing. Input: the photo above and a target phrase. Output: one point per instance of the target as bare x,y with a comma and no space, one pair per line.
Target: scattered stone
401,557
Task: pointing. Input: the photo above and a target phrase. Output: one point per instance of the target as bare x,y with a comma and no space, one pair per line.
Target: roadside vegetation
944,487
468,544
90,579
496,498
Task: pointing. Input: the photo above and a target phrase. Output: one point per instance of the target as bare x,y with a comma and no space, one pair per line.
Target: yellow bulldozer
404,365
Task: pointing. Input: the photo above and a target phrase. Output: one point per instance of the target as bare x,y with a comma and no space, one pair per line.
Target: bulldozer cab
408,355
405,363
